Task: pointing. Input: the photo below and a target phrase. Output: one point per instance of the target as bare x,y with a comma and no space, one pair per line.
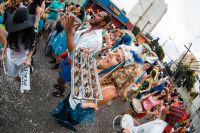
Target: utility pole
188,50
143,29
164,43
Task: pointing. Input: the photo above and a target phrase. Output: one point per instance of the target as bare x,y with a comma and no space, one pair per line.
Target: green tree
157,49
184,77
193,95
136,30
160,53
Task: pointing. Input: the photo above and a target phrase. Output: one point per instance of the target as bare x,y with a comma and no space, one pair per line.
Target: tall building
189,60
147,14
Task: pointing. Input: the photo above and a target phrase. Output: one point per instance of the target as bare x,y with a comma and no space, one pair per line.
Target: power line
175,47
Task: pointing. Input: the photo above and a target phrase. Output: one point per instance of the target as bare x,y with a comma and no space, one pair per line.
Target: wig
121,78
27,36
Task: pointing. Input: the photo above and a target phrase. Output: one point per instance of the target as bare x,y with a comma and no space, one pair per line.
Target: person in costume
169,117
116,72
88,38
21,41
149,102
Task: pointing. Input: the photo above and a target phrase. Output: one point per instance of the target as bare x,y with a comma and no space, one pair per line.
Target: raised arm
108,41
68,24
4,43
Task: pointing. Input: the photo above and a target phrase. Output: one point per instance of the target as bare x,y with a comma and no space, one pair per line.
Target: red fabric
177,114
64,54
168,129
69,61
139,115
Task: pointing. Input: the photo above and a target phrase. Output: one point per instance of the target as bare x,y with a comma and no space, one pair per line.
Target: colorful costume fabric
59,44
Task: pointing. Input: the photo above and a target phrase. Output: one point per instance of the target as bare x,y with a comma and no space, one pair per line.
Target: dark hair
107,18
72,3
28,39
77,5
153,74
81,14
33,6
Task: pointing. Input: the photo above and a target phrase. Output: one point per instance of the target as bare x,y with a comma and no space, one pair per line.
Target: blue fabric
159,87
40,25
108,69
55,5
65,114
1,46
2,18
117,43
65,70
59,43
136,57
139,78
126,39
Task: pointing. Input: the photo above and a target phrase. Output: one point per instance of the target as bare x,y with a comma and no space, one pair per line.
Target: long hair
33,6
121,78
28,39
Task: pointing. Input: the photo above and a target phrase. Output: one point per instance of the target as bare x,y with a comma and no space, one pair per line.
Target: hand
85,50
89,105
148,112
60,10
27,62
125,131
67,23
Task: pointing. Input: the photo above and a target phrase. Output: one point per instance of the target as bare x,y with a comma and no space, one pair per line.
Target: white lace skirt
15,61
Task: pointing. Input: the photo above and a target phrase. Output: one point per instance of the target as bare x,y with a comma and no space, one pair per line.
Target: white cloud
181,23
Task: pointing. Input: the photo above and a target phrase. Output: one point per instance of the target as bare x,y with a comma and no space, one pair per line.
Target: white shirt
137,49
156,126
92,40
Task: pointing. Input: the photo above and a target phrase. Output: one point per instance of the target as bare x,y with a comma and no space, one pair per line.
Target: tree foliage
184,77
136,30
160,53
157,48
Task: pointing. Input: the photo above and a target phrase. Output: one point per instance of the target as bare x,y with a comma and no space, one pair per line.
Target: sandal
57,94
56,86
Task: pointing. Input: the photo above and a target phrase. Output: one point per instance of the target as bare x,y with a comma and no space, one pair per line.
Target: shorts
50,24
65,73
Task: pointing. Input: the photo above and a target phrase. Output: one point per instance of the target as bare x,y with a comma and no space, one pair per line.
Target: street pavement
29,112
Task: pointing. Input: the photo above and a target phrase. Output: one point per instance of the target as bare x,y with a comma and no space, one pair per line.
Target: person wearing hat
21,41
116,72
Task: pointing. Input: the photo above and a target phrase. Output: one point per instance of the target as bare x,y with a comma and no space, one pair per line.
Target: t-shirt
156,126
55,5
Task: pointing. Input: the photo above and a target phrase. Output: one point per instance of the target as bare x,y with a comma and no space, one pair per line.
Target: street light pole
164,43
143,29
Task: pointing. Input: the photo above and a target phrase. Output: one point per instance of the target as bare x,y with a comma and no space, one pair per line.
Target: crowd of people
127,69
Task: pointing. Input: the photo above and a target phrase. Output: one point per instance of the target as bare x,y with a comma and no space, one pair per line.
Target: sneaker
57,94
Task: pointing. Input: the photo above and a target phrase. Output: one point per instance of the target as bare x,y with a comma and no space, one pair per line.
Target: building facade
146,14
189,60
